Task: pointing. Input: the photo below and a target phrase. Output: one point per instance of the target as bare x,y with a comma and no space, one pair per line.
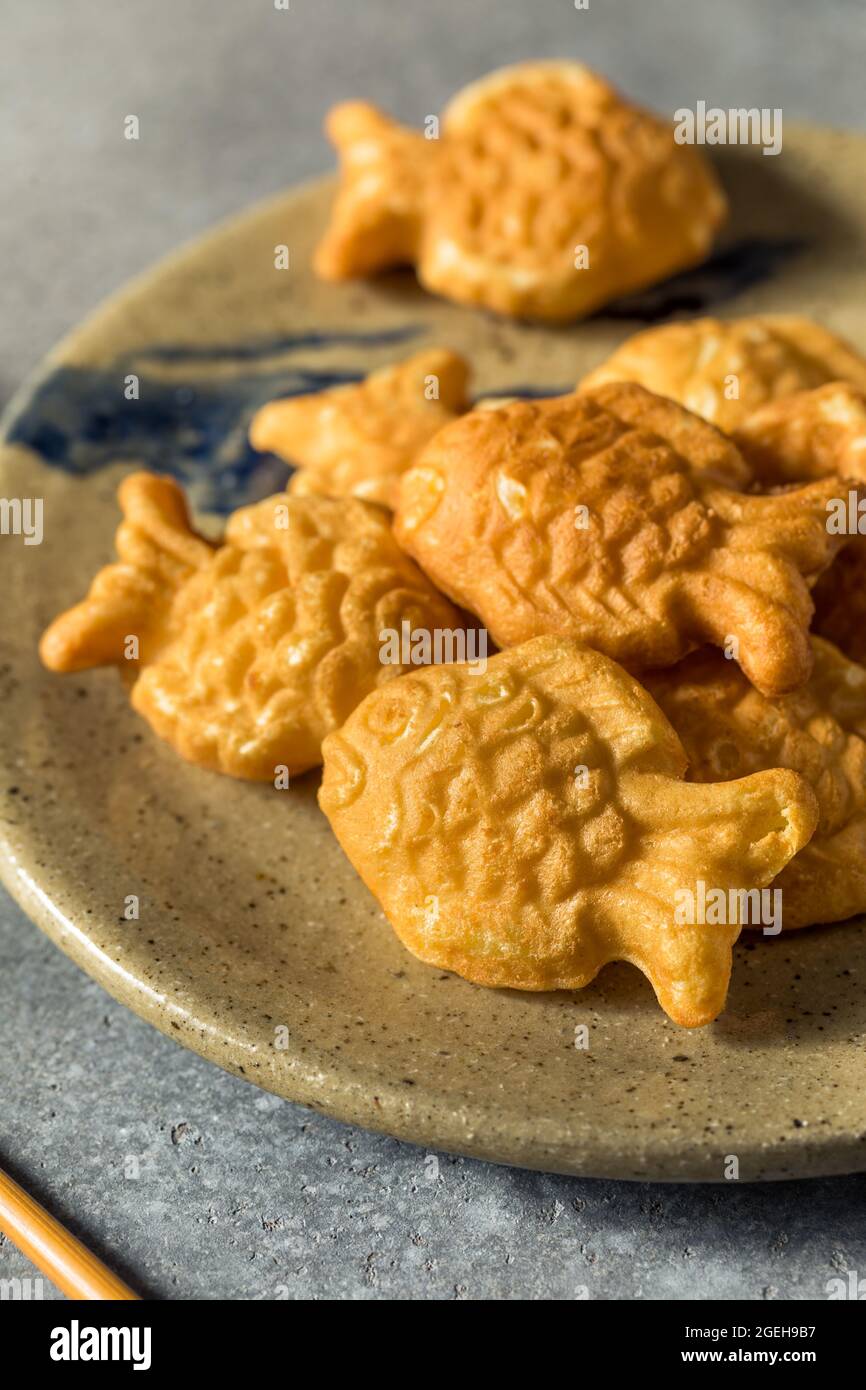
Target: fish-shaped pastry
356,441
729,729
600,516
840,601
811,434
725,370
243,656
541,193
818,434
525,827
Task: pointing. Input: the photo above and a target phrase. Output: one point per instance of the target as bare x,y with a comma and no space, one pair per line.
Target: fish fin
702,839
758,585
377,215
157,552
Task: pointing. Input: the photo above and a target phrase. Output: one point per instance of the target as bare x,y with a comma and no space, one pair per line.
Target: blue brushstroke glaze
78,418
195,429
272,347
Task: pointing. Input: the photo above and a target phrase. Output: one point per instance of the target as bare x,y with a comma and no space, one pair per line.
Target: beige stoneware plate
256,944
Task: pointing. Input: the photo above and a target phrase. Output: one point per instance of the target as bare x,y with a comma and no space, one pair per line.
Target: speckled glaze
256,944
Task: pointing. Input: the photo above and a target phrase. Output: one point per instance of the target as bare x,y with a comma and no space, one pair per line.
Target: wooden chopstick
62,1259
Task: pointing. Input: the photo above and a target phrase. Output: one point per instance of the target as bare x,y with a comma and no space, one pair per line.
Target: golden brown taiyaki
725,370
840,601
356,441
816,434
543,193
811,434
729,729
528,825
599,516
245,655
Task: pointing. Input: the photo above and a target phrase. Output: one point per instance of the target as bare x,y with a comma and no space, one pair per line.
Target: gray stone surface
239,1195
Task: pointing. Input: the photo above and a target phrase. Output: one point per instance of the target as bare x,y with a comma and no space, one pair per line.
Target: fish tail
378,212
157,552
720,842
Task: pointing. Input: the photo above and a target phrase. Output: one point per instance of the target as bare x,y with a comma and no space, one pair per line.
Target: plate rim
814,1155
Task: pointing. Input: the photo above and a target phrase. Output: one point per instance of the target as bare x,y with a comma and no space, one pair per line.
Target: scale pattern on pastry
812,434
597,516
250,652
729,729
725,370
544,195
525,827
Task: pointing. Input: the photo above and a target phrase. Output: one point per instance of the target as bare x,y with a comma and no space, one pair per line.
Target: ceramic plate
256,944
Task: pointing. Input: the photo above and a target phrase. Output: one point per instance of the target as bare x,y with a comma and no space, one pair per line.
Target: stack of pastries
665,563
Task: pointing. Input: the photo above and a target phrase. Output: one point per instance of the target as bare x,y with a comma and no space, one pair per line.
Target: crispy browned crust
840,601
597,516
526,826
